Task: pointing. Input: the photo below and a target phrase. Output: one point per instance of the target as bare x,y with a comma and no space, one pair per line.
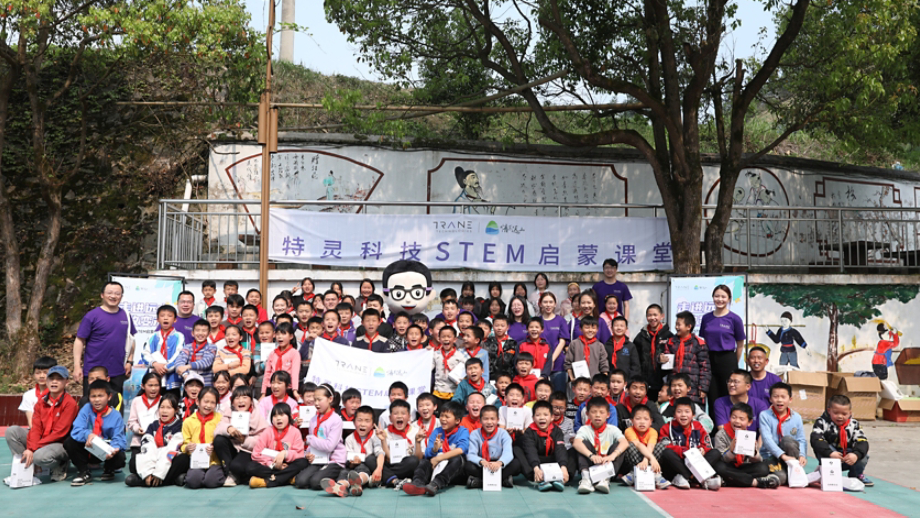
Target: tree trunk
715,230
833,315
11,265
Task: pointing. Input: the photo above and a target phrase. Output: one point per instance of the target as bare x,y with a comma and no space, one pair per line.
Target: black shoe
82,479
507,481
768,482
180,480
133,480
107,475
431,489
474,483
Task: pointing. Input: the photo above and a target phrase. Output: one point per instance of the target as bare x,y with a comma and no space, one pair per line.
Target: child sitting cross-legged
278,455
544,443
364,459
741,470
598,443
449,444
679,435
644,449
490,449
396,471
155,463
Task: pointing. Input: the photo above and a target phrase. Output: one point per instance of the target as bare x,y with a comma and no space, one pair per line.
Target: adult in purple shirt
185,316
609,285
556,333
762,380
106,336
588,303
739,386
518,316
724,335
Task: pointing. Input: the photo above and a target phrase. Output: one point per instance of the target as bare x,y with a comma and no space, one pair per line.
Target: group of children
580,405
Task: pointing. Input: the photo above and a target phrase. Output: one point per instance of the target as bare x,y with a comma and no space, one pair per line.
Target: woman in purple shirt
518,316
724,334
588,303
556,333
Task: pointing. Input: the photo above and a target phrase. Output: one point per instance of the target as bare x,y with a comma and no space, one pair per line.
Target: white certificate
21,476
233,360
307,413
514,419
536,372
266,349
353,454
600,472
439,468
348,425
201,459
580,369
145,421
320,457
457,373
744,442
240,421
551,472
644,479
668,365
270,453
99,448
399,449
491,481
491,399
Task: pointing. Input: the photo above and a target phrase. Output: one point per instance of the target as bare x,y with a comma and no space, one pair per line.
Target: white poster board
694,294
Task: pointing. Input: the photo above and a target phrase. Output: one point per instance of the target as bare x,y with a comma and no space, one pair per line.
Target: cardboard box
862,391
908,374
905,410
809,390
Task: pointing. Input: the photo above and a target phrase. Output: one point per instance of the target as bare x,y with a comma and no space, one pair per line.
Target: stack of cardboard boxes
811,390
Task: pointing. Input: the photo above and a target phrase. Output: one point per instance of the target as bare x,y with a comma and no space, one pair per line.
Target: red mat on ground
3,431
734,502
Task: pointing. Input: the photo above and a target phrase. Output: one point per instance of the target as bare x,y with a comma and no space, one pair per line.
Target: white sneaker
585,486
7,480
680,482
59,473
230,481
603,486
661,482
713,483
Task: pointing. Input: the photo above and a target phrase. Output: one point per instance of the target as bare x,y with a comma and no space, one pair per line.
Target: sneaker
558,485
398,485
603,486
257,482
585,487
544,486
508,481
180,481
59,473
713,483
768,482
661,482
866,480
414,488
431,489
474,483
7,480
628,479
334,488
82,479
107,476
354,483
133,480
680,482
230,481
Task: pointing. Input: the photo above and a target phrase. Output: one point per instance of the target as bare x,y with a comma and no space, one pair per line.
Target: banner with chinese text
509,243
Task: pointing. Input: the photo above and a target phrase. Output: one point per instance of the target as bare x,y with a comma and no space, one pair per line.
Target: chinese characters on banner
509,243
694,294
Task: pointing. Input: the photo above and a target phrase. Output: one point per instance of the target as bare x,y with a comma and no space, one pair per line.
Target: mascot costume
407,287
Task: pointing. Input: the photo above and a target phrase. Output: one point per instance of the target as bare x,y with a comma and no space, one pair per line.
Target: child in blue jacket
97,420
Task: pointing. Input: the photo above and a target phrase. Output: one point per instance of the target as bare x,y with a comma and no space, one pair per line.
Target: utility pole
268,137
287,34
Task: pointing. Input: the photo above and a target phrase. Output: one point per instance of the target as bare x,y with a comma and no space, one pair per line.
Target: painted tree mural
854,305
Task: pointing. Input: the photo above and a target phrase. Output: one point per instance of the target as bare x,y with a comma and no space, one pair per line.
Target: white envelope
698,465
491,481
580,369
320,457
644,479
600,472
457,373
745,442
99,448
240,421
831,475
201,459
352,454
514,419
399,449
306,413
552,472
796,474
348,425
668,365
21,476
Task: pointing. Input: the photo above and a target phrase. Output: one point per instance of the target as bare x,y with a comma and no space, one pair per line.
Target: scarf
629,405
474,353
208,301
97,423
345,416
320,419
643,438
158,436
780,421
447,435
189,405
430,427
196,348
164,337
445,357
362,443
370,340
485,443
51,415
450,322
40,393
616,348
597,437
500,340
481,385
202,438
280,353
251,335
610,400
654,340
344,327
681,350
332,338
730,432
549,443
404,433
234,321
279,446
558,422
150,404
842,430
238,352
588,344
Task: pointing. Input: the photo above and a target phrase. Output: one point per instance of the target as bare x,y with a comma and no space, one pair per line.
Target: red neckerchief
611,317
275,400
629,405
216,337
610,400
236,321
40,393
485,443
332,338
150,404
654,338
445,357
421,426
300,325
189,403
280,353
616,347
643,438
679,358
238,353
252,335
550,445
208,303
597,437
730,431
558,422
473,353
404,433
97,424
588,346
343,327
842,430
450,322
539,360
163,348
781,420
419,347
447,435
158,436
202,438
362,443
279,446
345,416
688,431
308,296
480,386
320,419
501,342
196,349
370,340
51,415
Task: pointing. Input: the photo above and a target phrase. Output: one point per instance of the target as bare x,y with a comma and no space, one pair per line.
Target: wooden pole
268,137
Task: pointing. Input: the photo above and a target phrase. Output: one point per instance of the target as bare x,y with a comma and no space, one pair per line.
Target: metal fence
209,234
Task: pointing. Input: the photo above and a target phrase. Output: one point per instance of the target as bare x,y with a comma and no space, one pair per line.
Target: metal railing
225,233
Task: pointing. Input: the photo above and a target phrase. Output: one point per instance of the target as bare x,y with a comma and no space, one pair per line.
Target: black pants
526,469
82,458
402,469
178,466
513,469
672,464
740,476
311,475
454,469
585,462
722,364
276,477
234,462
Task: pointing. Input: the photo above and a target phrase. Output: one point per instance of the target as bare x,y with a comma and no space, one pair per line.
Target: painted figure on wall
881,360
471,191
329,184
787,337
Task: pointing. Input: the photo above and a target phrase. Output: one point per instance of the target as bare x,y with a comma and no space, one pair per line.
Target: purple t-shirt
618,288
185,325
722,333
603,332
761,389
517,331
104,335
723,410
554,330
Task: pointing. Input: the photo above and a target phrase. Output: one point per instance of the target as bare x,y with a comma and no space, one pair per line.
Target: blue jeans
857,468
790,358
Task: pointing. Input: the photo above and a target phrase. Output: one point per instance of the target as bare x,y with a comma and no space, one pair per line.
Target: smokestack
287,35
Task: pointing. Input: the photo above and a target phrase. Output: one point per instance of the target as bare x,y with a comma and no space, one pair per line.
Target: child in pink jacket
278,455
284,358
234,447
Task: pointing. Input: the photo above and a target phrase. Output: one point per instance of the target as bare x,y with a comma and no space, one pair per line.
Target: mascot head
407,287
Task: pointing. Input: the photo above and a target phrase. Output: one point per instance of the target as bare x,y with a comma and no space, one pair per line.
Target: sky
325,49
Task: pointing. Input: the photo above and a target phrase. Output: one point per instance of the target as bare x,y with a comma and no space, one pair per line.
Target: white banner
508,243
370,373
142,297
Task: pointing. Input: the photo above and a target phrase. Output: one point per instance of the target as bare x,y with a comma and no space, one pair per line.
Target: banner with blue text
508,243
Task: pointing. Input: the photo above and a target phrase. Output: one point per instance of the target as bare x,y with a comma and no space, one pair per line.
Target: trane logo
453,226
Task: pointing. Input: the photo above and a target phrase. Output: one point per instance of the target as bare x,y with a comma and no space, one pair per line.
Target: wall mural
762,188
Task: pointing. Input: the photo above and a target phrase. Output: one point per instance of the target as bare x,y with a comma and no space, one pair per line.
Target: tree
92,42
663,61
852,305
